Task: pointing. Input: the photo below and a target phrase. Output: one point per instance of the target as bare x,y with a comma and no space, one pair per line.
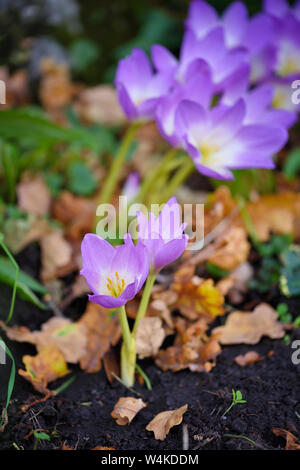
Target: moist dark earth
80,415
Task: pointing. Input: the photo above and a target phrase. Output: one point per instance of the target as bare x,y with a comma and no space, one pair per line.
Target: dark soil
80,415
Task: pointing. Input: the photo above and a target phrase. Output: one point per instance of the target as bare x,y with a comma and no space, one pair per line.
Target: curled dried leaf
48,365
150,336
164,421
232,249
34,196
126,409
192,348
199,298
292,442
249,327
56,256
103,331
59,333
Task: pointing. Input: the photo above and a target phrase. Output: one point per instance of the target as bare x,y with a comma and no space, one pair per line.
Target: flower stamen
116,285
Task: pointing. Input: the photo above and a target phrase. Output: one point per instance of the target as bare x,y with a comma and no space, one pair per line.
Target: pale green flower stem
111,182
128,349
149,182
178,179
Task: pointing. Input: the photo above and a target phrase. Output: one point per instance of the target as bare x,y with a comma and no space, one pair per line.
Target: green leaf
25,285
81,179
290,272
42,436
291,165
20,124
54,182
9,160
83,53
216,271
11,381
238,395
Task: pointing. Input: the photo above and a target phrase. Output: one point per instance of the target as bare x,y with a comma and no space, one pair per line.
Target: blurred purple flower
199,88
239,29
163,235
138,88
131,186
218,141
114,275
261,105
198,54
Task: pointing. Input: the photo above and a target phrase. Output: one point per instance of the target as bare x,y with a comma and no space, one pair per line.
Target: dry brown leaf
198,298
275,213
76,213
164,421
103,331
100,105
251,357
111,362
48,365
34,196
232,249
56,89
249,327
126,409
150,336
292,442
103,448
235,285
59,333
192,348
56,256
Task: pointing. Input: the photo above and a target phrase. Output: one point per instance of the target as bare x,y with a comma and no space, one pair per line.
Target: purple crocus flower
260,101
131,186
138,88
239,29
163,236
280,56
114,275
195,54
199,88
218,141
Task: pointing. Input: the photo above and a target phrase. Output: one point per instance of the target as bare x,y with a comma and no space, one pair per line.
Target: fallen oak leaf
103,331
164,421
76,213
292,442
47,366
231,250
126,409
198,298
275,213
34,196
56,256
192,348
59,333
150,336
250,327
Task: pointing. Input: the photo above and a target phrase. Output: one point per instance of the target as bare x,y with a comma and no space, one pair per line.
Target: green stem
124,326
117,165
144,302
128,363
128,350
228,409
178,179
14,292
154,175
